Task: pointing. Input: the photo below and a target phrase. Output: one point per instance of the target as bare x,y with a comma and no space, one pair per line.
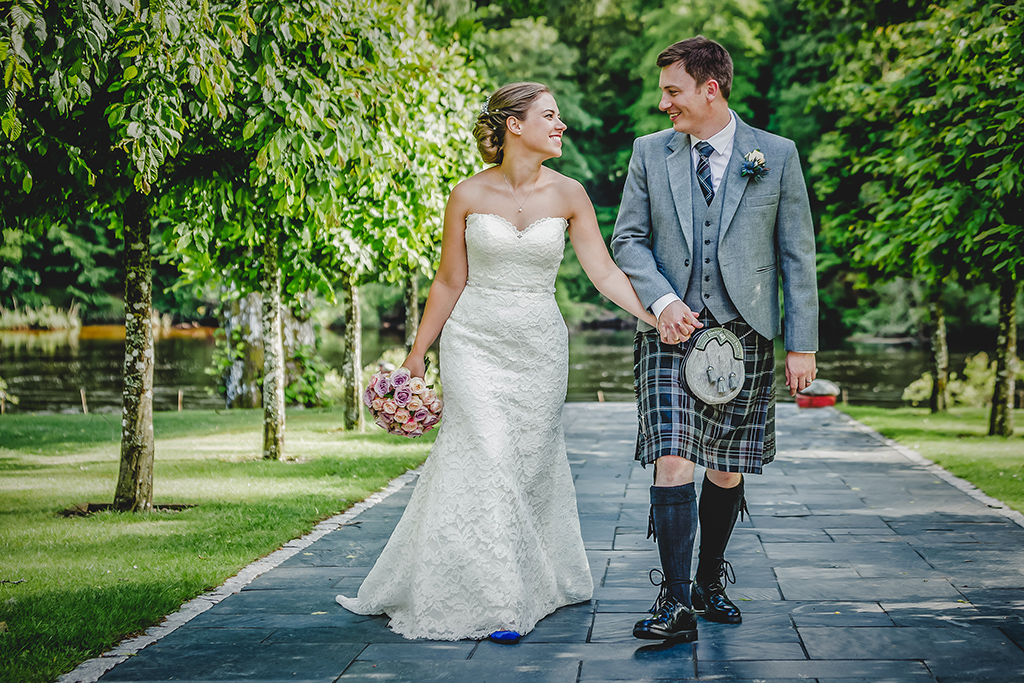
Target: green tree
930,141
336,157
96,103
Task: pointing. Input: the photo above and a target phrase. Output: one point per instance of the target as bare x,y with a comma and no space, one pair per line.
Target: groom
713,213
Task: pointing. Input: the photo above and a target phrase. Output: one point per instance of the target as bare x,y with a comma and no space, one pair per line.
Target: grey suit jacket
766,232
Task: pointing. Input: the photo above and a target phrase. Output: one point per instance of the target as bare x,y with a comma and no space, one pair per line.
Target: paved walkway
858,564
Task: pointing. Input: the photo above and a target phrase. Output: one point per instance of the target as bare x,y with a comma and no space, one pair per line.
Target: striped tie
704,170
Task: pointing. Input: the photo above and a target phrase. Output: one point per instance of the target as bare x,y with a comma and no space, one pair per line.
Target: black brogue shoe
711,602
671,620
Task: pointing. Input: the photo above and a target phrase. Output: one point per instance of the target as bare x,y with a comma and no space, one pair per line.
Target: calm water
48,370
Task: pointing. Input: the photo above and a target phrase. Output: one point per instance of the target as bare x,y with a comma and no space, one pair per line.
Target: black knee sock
674,520
719,509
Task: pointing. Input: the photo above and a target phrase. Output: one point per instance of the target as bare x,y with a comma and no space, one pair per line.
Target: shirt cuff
661,304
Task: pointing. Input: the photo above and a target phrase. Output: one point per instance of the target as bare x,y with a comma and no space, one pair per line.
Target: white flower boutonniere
753,165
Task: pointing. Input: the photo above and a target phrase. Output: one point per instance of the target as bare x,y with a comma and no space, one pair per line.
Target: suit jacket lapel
735,184
680,171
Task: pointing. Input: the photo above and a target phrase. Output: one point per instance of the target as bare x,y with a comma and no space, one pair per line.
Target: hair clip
487,105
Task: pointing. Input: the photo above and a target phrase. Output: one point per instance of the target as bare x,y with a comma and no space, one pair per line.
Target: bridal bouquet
402,404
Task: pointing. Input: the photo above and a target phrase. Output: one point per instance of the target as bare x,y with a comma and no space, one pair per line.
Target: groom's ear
712,90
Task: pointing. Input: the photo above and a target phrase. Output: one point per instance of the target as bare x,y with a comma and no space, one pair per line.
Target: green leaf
131,72
26,183
249,130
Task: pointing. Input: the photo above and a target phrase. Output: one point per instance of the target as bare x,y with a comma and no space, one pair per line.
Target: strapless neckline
512,226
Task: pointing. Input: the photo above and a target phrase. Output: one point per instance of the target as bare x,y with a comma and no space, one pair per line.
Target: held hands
677,322
801,370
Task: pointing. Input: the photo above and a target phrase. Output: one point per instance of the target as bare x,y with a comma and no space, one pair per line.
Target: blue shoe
507,637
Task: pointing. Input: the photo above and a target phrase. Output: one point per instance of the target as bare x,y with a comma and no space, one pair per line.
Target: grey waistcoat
706,289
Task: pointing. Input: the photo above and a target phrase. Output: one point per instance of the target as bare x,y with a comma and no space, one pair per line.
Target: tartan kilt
738,436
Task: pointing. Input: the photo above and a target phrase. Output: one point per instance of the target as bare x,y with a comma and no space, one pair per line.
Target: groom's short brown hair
703,59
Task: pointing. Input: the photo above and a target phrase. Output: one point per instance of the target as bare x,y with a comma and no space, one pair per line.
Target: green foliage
973,389
77,263
925,160
319,146
306,372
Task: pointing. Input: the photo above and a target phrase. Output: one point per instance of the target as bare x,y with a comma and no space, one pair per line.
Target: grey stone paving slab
412,651
977,651
459,672
238,662
858,564
870,671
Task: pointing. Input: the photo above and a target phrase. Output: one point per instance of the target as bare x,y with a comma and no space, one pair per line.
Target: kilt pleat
738,436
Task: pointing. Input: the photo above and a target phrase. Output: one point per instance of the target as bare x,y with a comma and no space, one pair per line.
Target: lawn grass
91,581
957,441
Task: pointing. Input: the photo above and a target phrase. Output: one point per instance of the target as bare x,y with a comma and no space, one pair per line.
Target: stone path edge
962,484
90,670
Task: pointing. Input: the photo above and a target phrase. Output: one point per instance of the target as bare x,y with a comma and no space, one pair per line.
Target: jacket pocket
763,200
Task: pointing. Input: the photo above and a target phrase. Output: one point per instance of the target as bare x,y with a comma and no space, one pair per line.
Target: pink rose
431,420
368,396
383,385
410,426
414,404
400,377
382,422
418,385
435,406
415,432
377,405
401,415
402,395
421,415
390,406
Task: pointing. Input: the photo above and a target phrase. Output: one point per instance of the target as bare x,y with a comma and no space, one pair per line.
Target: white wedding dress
491,538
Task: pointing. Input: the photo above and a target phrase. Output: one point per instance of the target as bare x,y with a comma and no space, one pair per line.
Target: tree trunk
1001,418
939,402
134,490
273,352
412,309
352,365
243,381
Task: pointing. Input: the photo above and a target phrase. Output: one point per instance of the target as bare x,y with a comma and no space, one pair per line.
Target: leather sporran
713,369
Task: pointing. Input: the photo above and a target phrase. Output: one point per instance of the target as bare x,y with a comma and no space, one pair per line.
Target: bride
490,541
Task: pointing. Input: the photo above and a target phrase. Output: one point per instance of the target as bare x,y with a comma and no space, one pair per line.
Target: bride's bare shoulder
568,188
473,188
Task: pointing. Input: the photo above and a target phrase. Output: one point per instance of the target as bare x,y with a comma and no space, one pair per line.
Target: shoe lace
725,571
663,594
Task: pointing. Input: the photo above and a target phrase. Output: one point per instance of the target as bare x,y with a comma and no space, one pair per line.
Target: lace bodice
503,257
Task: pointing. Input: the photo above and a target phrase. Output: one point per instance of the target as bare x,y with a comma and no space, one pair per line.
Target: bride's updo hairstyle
513,99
